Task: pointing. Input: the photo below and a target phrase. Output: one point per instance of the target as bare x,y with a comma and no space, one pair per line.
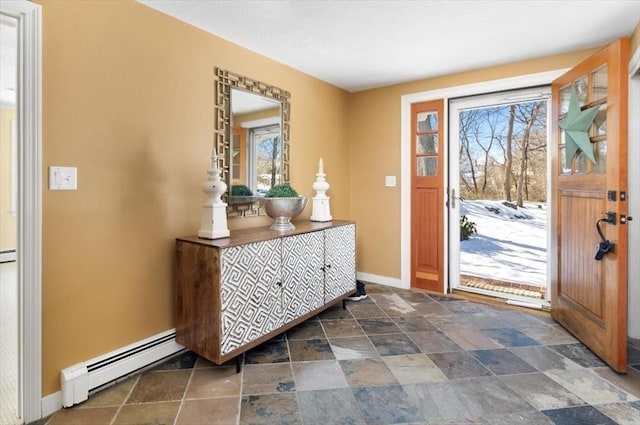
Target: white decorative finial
320,210
214,211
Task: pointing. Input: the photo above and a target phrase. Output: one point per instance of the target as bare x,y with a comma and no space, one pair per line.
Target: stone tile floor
398,357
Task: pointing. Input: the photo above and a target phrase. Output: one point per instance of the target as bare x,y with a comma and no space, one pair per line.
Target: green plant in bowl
282,203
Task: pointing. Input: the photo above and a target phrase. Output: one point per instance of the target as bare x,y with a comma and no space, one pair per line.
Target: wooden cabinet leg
238,363
344,304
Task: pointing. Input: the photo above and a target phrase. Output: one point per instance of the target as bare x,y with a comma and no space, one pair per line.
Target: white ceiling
361,44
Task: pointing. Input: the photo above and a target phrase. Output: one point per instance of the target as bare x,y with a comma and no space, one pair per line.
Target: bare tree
508,154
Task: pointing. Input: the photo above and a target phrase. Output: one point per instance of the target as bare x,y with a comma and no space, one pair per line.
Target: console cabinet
234,293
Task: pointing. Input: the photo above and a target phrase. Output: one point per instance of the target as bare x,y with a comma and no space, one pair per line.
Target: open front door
427,196
589,296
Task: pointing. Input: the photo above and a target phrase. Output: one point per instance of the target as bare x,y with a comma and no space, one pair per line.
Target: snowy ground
510,245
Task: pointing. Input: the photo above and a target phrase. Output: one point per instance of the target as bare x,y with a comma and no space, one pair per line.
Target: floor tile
353,348
148,413
335,312
310,329
470,339
367,372
523,418
414,324
431,310
386,405
361,311
112,396
578,415
223,411
377,326
466,398
414,369
590,387
321,375
633,354
184,360
273,351
214,382
517,319
95,416
510,337
544,359
413,297
269,409
337,406
542,392
310,349
342,328
459,307
579,354
459,364
443,298
484,321
502,361
393,344
267,379
160,386
630,382
433,342
621,413
548,335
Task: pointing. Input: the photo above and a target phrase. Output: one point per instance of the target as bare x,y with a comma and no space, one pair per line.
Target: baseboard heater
78,380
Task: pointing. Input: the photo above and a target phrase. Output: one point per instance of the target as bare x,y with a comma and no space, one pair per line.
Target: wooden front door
589,296
427,196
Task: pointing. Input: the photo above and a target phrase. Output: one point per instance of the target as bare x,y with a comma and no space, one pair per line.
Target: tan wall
128,99
374,136
7,218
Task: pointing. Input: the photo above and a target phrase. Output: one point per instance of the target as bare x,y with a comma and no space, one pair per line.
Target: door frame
542,92
511,83
29,238
633,285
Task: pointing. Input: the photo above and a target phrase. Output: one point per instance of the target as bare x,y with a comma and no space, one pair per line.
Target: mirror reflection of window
267,151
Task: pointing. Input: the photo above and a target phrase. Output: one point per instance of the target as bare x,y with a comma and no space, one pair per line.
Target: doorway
498,175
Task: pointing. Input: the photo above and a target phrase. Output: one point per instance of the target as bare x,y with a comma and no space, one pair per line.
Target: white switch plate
63,178
390,181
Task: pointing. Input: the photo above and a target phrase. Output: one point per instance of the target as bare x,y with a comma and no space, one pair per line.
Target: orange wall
374,137
128,98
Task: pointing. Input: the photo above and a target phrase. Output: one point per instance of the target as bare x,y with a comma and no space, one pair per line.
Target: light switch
63,178
390,181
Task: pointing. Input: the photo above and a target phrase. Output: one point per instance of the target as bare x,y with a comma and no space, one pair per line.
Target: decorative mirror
252,139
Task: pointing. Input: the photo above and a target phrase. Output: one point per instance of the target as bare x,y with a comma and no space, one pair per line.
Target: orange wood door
427,196
589,297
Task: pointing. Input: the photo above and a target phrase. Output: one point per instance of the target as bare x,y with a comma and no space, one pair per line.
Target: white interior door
457,177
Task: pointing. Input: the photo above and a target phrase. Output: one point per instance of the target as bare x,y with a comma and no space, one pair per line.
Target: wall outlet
390,181
63,178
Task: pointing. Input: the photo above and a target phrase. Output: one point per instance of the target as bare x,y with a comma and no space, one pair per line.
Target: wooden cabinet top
257,234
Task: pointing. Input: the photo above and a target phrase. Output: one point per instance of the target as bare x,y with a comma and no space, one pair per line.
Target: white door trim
538,93
29,241
405,151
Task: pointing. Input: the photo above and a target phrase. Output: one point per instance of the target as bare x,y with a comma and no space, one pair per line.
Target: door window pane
599,127
427,166
581,163
599,84
561,157
427,143
600,152
581,91
565,95
427,121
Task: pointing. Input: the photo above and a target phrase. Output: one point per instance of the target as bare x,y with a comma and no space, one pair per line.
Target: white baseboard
51,403
382,280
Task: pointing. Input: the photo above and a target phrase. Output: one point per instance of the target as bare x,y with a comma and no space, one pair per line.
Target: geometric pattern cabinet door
251,292
302,261
340,261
